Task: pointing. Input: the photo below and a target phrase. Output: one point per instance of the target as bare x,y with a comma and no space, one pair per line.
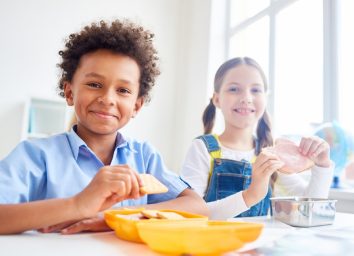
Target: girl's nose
246,98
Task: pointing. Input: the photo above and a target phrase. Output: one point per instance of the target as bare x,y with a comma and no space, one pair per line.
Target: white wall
32,33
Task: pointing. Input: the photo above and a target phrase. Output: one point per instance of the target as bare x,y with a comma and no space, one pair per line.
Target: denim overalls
229,176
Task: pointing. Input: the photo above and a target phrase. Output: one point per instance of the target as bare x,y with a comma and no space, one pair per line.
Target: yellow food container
127,228
198,238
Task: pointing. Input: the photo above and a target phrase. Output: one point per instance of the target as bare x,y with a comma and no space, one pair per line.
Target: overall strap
212,145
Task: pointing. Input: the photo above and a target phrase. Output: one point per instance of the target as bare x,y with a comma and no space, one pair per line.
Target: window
345,65
298,84
307,50
285,37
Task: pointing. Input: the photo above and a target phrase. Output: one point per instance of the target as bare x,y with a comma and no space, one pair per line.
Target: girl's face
242,97
104,92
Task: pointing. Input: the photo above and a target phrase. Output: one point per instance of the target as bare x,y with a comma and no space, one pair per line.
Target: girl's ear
68,93
216,100
138,105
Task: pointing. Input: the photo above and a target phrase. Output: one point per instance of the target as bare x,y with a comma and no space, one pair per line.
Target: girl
218,166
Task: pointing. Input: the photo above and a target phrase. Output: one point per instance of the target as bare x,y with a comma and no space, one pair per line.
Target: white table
276,239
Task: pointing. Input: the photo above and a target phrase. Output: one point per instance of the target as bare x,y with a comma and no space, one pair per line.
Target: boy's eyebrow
93,74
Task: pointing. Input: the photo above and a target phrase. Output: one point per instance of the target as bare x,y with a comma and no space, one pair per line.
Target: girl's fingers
312,146
268,164
263,157
315,149
305,145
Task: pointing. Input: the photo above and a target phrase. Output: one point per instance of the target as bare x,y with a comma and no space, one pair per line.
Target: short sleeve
22,176
156,167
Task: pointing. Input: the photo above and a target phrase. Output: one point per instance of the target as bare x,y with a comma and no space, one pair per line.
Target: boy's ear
68,93
216,100
138,104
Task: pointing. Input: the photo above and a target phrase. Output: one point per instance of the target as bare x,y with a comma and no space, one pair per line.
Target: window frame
330,50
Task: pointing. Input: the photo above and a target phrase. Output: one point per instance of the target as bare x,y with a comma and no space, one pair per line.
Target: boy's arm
187,200
16,218
110,185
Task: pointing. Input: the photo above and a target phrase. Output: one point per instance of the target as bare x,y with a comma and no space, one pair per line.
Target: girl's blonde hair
264,135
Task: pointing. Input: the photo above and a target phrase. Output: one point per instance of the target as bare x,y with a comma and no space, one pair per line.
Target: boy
49,184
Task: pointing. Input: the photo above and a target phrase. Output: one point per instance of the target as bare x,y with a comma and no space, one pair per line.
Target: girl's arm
295,185
317,150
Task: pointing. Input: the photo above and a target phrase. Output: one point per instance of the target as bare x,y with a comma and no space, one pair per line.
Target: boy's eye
123,91
94,85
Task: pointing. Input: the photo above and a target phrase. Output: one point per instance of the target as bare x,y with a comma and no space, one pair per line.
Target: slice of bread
288,152
150,214
170,216
152,185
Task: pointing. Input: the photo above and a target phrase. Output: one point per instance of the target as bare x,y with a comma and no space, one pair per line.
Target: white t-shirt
196,169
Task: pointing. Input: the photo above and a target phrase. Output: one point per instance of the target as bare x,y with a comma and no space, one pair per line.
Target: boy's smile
104,92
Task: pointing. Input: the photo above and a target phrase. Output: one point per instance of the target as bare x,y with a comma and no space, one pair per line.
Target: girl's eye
94,85
234,89
257,90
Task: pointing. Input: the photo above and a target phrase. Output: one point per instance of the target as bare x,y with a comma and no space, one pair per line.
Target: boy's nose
107,98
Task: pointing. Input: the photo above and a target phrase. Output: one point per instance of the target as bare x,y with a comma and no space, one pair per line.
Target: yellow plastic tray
198,238
127,229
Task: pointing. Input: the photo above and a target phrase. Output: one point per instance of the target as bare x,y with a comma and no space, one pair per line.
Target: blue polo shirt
63,165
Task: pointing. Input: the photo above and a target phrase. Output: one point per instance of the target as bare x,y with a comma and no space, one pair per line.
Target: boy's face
104,92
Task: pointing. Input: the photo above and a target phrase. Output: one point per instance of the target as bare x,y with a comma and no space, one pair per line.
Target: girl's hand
110,185
265,165
316,149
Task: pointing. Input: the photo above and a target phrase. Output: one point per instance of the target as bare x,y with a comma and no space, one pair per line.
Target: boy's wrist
78,212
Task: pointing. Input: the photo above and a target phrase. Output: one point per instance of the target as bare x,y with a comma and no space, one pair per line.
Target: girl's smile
244,111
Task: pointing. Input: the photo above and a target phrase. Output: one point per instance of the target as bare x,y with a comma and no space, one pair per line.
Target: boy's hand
316,149
95,224
265,165
110,185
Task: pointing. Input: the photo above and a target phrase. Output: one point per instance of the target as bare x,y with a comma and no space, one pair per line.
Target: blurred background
305,47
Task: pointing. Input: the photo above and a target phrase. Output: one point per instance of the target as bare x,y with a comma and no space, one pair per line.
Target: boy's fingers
94,224
135,185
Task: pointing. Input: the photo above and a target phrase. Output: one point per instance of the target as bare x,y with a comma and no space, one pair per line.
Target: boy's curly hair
123,37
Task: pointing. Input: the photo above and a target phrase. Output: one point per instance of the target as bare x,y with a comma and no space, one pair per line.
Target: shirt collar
76,142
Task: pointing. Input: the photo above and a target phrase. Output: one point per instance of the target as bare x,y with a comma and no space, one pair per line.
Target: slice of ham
288,152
